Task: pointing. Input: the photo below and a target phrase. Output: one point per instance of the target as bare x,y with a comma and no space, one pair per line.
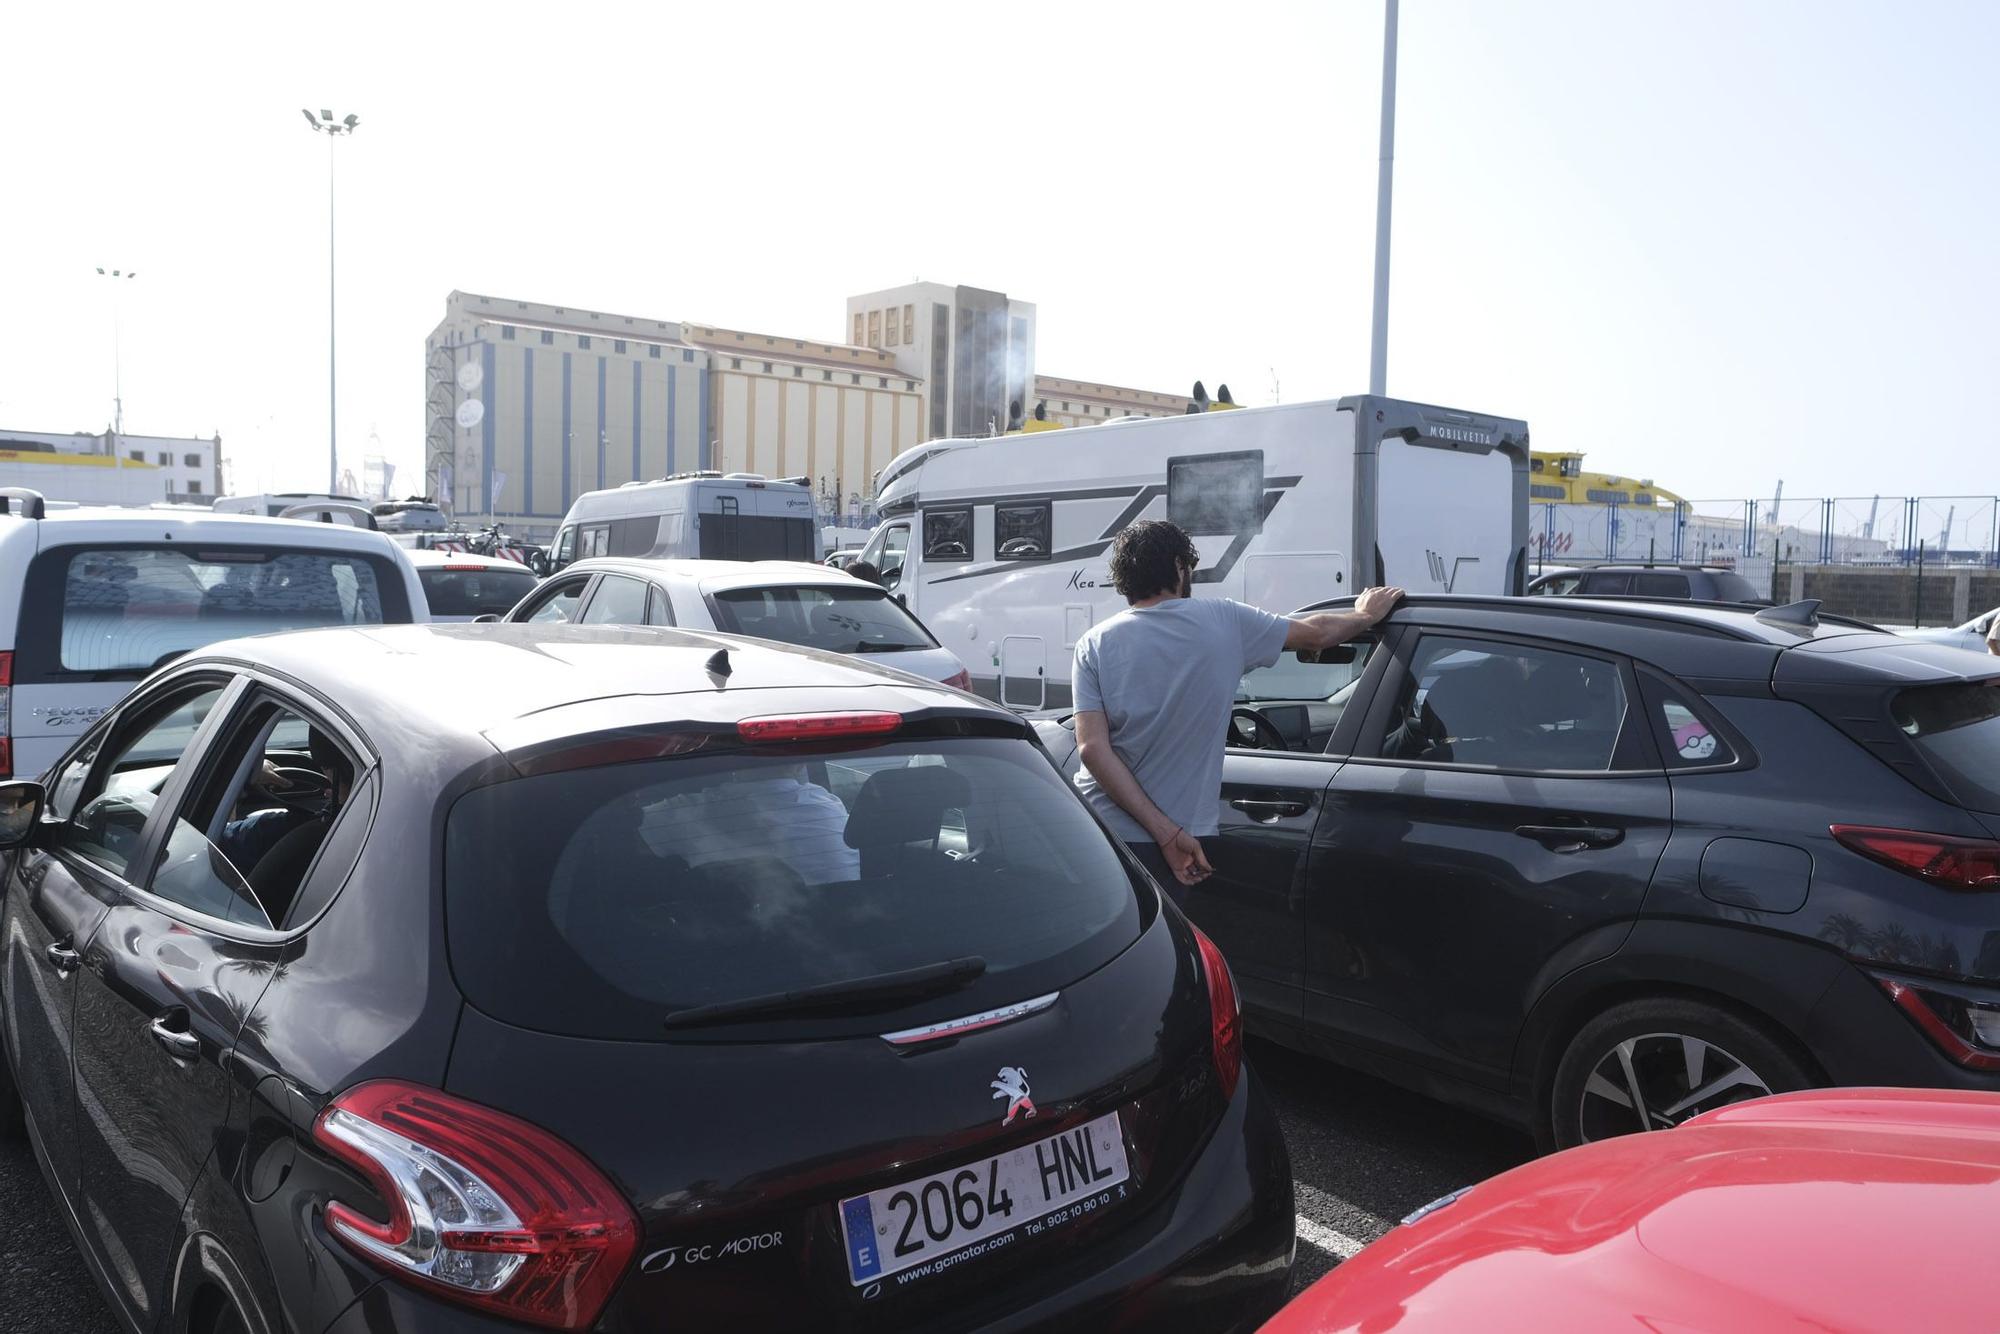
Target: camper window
1217,494
948,534
1021,532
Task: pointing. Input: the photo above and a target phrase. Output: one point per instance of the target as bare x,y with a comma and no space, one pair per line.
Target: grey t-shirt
1164,677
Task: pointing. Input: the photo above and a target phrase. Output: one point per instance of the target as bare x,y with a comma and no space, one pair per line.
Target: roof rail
33,504
326,509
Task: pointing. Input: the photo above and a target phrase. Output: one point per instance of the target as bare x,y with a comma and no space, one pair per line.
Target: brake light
483,1208
1963,1029
6,715
960,680
818,726
1939,859
1225,1014
465,567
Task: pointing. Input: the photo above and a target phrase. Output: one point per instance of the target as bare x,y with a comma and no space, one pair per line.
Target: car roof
469,679
715,574
426,559
107,523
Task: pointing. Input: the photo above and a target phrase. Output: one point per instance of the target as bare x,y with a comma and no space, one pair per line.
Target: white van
274,503
91,600
1002,545
705,515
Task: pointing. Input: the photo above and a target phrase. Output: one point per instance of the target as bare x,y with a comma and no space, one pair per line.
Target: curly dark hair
1146,559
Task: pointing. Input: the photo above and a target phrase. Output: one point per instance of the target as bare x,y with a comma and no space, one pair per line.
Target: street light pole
117,358
1378,354
326,124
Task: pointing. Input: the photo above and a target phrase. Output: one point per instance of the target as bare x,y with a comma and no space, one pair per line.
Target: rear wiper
933,979
875,647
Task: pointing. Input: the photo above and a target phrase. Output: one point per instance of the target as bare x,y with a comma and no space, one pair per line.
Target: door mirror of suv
20,812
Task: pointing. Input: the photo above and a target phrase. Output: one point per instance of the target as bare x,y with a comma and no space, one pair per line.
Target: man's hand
1375,603
1186,859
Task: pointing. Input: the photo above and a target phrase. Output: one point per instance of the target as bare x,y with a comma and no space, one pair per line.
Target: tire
1738,1059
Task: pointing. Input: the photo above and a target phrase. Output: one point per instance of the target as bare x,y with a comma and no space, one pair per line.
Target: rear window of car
1957,728
838,620
1730,587
597,902
127,608
474,590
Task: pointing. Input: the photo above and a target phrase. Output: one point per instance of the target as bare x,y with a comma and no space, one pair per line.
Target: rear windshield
839,620
475,590
127,608
1735,588
755,537
1957,728
596,902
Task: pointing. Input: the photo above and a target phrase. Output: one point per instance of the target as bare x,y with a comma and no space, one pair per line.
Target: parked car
788,602
1971,635
92,599
1701,583
1595,867
462,587
591,977
1850,1210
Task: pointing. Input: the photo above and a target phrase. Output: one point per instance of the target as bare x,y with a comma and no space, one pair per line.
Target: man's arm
1324,629
1093,744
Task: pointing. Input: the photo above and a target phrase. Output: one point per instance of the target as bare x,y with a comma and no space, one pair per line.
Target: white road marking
1323,1238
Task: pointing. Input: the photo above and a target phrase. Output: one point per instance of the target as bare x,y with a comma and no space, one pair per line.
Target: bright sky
1715,244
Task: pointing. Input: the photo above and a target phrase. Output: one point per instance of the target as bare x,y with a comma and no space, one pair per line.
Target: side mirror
20,812
490,618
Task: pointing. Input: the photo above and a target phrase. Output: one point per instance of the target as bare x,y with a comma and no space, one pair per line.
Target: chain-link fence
1942,531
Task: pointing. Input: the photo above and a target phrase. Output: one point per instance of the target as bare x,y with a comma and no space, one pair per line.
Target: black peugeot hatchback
463,978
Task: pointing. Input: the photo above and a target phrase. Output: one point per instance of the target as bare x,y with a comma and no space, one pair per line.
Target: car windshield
1294,678
600,901
474,590
127,608
1957,728
839,620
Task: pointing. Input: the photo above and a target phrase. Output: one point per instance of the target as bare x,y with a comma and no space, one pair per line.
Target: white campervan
1001,545
706,515
92,600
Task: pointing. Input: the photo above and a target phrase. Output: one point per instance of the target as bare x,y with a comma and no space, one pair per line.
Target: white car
1971,635
790,602
461,587
93,599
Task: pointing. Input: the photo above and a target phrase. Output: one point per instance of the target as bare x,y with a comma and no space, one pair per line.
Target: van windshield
598,902
836,620
126,608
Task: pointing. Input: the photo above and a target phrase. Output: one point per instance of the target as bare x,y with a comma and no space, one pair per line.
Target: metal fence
1841,530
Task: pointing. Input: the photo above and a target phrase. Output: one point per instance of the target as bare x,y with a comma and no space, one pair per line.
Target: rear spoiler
326,509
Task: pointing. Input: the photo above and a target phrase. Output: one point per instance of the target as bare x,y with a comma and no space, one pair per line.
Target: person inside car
1154,686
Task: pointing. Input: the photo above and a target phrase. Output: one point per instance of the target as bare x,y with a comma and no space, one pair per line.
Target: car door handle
177,1042
1269,810
1571,837
61,957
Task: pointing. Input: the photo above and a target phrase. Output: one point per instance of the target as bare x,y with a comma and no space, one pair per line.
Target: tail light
6,715
817,727
1225,1014
483,1209
960,680
1939,859
1966,1030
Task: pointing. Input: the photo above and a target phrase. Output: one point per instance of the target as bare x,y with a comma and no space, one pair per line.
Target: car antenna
718,665
1804,613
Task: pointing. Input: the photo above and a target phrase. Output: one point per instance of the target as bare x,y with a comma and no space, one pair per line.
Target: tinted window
634,537
617,601
1957,727
118,798
1609,584
1651,585
1729,587
126,609
755,537
1021,532
1217,493
838,620
475,590
948,534
599,901
1556,585
1687,737
1507,706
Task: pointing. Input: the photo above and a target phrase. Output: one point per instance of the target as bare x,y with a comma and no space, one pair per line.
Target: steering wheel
305,790
1250,729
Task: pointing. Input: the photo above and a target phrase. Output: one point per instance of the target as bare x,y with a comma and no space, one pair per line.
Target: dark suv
461,978
1596,866
1699,583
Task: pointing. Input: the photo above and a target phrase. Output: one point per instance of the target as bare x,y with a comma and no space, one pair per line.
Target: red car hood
1848,1209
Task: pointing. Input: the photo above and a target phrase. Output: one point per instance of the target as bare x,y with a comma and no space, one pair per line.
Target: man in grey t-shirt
1154,686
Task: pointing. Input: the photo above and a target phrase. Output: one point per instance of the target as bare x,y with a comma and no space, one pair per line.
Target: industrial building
113,468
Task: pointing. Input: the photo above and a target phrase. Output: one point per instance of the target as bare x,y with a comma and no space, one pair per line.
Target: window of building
583,340
909,324
826,375
548,339
507,333
191,460
767,368
874,328
854,379
736,363
687,354
798,371
194,486
893,331
166,459
654,352
617,345
137,455
881,382
857,328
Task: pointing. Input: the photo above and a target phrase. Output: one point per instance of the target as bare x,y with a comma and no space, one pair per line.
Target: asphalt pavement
1364,1154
